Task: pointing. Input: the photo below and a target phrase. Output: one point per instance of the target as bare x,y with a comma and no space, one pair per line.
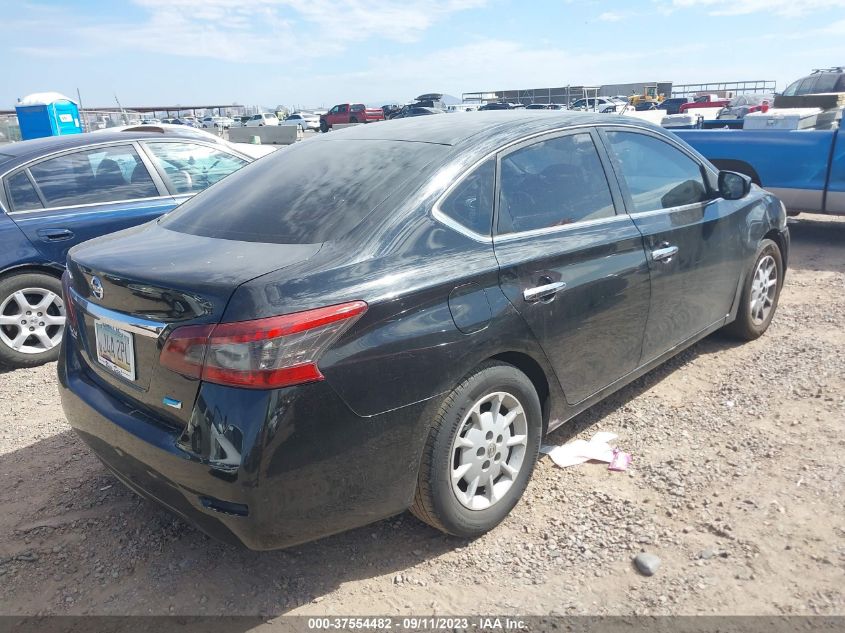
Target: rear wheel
353,120
760,294
32,319
480,452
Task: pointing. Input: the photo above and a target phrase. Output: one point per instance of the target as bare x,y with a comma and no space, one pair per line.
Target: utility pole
122,112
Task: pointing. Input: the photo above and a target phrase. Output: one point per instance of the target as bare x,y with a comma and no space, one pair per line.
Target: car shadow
713,344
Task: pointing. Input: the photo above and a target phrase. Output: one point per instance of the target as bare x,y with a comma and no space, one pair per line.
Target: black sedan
392,316
412,111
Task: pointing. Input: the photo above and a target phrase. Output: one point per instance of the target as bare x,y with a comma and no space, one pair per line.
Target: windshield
312,192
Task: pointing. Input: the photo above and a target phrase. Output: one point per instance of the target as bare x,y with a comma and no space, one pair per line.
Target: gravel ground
737,486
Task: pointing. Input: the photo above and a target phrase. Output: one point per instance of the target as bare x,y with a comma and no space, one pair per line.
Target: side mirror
733,186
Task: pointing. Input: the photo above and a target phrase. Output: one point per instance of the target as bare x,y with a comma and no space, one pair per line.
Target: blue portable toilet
47,114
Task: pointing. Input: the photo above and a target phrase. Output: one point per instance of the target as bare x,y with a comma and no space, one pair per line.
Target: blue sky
319,52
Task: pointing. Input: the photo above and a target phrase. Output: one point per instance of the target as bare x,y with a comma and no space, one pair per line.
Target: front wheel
760,293
480,452
32,319
324,127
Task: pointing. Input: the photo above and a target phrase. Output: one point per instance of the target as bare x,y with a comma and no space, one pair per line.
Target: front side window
189,167
553,183
471,202
807,85
101,175
656,174
22,195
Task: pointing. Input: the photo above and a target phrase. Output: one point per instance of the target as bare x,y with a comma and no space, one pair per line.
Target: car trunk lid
132,288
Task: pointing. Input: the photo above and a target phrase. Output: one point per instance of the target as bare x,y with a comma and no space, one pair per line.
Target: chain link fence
10,131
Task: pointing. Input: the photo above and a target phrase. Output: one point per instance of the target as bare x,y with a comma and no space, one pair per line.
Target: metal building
565,94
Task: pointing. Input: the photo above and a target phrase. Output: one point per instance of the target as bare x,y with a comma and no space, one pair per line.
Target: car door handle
55,235
664,254
546,291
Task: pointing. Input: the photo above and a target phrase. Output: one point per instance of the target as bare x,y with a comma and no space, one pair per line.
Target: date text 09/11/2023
416,623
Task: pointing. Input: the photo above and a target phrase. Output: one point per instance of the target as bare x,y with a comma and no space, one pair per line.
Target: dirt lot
738,486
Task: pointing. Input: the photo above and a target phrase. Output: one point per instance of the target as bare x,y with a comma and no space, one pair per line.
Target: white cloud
257,30
786,8
611,16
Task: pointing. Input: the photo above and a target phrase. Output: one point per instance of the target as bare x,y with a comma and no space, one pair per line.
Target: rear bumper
265,469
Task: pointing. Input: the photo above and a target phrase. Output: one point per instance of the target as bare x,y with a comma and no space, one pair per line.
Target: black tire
324,127
435,502
10,357
353,120
745,326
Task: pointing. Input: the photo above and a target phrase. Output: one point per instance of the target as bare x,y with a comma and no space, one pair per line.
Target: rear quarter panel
16,250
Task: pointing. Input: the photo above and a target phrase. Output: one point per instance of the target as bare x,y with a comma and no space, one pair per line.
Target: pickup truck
804,168
350,113
704,101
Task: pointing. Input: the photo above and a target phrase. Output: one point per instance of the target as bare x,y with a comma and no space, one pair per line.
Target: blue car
60,191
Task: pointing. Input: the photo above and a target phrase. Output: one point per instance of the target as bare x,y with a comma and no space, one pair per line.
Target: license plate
115,349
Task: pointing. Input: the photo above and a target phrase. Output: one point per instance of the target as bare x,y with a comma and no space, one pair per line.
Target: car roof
478,127
13,154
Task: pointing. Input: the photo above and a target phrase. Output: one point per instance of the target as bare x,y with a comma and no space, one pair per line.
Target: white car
265,118
217,122
303,120
185,131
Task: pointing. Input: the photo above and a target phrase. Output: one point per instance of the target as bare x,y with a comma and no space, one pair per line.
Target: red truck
705,101
350,113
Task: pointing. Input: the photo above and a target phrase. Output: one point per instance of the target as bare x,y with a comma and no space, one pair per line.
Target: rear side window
471,202
358,107
826,82
190,167
552,183
311,192
656,174
101,175
22,194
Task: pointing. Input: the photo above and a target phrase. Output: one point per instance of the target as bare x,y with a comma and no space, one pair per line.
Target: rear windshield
314,191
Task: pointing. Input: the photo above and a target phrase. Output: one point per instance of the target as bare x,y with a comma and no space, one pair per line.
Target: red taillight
70,310
273,352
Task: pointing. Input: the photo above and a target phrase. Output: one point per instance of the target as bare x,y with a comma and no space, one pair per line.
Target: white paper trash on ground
598,448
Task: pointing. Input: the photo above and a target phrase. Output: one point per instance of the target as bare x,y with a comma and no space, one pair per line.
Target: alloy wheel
489,450
32,320
763,289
